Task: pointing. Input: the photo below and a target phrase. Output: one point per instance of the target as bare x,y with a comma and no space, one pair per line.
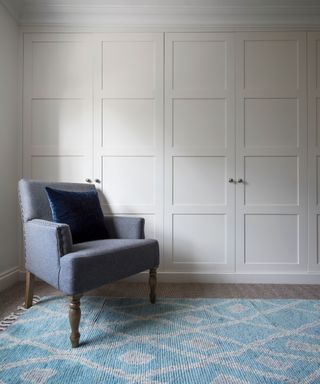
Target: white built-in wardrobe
212,137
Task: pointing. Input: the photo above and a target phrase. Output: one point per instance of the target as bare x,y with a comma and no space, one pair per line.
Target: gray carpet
14,296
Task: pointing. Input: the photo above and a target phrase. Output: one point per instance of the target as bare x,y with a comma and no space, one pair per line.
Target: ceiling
165,12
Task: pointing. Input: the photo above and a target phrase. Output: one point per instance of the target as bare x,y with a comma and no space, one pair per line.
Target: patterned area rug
179,341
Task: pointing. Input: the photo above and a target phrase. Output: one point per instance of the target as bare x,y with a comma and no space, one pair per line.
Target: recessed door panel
199,65
128,66
60,69
199,239
128,123
271,239
60,124
128,181
271,123
59,168
271,64
199,123
271,180
199,180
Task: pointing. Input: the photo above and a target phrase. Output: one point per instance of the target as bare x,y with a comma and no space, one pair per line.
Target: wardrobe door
57,107
271,195
199,152
128,126
314,149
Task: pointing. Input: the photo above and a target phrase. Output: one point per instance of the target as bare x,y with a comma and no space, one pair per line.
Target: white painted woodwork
129,180
271,125
198,66
208,115
162,127
199,152
60,69
194,243
56,123
271,180
270,65
128,125
188,15
199,180
61,168
128,66
271,239
314,149
57,114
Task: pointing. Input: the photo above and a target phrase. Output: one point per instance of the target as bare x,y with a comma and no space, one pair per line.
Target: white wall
9,121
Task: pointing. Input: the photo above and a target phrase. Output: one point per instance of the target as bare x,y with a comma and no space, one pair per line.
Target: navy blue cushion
81,211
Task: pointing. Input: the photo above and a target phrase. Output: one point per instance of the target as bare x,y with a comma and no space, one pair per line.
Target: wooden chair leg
153,284
29,289
74,319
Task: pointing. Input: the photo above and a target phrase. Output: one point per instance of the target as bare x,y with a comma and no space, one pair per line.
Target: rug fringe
10,319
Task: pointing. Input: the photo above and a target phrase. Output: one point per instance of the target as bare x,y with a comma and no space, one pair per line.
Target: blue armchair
77,268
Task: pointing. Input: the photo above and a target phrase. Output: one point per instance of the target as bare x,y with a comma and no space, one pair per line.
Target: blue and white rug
178,341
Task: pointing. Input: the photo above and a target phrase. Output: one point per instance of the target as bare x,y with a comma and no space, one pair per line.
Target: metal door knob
240,181
231,180
88,180
97,181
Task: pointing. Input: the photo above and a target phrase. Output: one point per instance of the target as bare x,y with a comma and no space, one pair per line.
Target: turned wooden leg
74,319
153,284
29,289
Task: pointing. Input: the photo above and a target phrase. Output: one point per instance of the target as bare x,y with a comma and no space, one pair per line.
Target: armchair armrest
45,243
120,227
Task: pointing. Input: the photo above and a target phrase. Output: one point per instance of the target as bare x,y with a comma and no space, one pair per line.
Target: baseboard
9,277
22,276
230,278
223,278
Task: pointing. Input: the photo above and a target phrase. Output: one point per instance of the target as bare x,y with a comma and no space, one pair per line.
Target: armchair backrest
33,199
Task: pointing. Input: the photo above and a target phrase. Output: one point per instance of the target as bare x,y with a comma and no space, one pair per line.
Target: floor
14,296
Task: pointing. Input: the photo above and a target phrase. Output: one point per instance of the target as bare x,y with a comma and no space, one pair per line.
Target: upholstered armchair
74,269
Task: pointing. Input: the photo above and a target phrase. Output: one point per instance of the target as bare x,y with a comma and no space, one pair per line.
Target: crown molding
166,13
14,7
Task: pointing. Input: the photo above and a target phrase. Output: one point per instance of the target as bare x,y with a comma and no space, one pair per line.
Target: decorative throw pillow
81,211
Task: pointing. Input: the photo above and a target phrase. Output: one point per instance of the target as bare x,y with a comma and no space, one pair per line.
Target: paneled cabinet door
271,191
57,107
128,125
199,152
314,149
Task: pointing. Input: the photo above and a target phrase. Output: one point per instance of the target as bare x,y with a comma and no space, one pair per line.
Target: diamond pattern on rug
200,343
272,363
38,375
176,341
136,357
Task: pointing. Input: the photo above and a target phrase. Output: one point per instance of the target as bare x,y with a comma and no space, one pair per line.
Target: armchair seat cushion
94,263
